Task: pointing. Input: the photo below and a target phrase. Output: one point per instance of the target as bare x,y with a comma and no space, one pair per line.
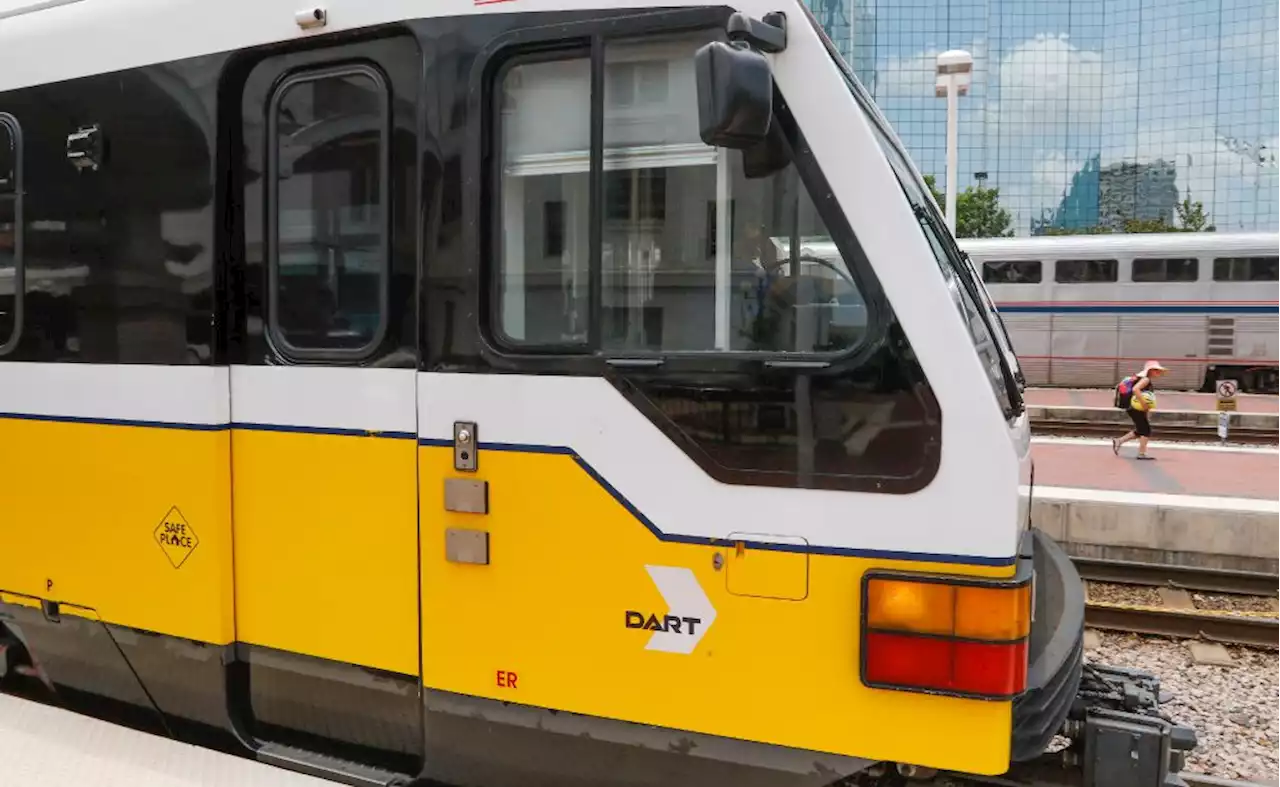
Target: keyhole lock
464,446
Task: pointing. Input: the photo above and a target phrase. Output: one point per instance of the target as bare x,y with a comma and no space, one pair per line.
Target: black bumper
1055,657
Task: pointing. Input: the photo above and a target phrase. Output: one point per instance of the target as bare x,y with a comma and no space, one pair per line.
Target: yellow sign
176,537
1226,390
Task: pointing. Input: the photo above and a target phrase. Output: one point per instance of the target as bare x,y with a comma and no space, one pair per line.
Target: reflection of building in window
1142,191
686,262
636,83
329,254
553,228
636,195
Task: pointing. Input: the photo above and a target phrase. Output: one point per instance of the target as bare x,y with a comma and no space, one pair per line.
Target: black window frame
1228,263
275,336
1164,270
1113,279
572,41
10,125
1039,269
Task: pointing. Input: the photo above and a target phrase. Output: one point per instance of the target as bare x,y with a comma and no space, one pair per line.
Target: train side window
666,284
1165,269
1086,271
11,229
543,277
328,246
1012,272
1246,269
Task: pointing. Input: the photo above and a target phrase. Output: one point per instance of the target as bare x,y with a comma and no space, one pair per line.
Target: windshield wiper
1012,389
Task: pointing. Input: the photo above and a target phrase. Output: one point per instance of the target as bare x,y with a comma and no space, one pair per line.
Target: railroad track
1195,578
1228,628
1236,628
1172,432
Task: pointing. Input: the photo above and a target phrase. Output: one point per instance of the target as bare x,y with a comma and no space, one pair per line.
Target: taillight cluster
942,634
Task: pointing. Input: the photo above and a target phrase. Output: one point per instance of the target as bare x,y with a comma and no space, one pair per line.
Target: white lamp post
954,72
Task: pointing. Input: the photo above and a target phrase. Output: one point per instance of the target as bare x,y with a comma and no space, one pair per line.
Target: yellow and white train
400,389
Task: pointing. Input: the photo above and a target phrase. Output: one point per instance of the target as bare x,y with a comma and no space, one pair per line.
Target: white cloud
914,75
1047,81
1049,102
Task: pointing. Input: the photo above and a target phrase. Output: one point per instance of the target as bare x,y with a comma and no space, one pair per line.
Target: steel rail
1195,578
1250,630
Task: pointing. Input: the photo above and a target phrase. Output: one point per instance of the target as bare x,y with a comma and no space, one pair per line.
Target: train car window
544,269
1165,269
1086,271
1246,269
666,285
328,195
1012,272
11,264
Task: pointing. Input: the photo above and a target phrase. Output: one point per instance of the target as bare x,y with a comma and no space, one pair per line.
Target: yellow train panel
132,522
564,616
326,542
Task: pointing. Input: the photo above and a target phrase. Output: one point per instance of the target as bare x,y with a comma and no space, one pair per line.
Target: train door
323,404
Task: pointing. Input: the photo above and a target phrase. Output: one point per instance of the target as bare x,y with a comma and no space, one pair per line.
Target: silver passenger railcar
1086,310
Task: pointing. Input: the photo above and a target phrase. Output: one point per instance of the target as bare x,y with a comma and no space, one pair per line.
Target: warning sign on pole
1226,390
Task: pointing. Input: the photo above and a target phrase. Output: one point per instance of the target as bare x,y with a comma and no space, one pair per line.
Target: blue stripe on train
1154,308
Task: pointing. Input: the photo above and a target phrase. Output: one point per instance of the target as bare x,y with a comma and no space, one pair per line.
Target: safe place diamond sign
176,537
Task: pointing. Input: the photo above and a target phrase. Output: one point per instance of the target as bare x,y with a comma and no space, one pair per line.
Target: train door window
543,281
1012,272
1245,269
328,138
1152,270
1086,271
11,230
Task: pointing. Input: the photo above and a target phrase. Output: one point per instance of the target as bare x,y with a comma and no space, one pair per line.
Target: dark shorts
1141,424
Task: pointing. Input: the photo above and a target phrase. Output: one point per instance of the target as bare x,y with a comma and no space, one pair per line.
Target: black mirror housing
735,96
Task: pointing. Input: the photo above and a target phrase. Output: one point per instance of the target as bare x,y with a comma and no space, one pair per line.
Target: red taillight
952,635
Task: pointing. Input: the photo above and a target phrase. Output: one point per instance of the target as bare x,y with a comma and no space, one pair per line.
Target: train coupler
1119,735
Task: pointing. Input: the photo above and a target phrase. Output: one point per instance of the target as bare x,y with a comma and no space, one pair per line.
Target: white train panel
1178,340
1029,334
1083,349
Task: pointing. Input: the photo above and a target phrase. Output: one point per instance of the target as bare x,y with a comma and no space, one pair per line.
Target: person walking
1137,397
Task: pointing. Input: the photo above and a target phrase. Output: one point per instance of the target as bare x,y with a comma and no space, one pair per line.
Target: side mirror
735,83
771,154
735,96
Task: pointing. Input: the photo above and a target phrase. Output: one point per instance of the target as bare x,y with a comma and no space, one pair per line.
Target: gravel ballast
1233,709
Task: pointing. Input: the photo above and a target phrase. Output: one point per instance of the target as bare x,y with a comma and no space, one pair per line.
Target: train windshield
966,289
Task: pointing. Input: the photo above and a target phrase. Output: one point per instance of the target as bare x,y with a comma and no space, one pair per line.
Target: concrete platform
42,746
1168,400
1195,505
1041,414
1199,470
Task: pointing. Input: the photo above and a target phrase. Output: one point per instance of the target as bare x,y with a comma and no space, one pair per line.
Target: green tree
978,211
1097,229
1191,217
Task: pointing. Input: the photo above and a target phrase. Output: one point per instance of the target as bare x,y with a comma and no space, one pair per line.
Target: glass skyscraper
1085,112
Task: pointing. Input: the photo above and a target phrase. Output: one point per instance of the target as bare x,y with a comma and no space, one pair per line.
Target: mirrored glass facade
1084,112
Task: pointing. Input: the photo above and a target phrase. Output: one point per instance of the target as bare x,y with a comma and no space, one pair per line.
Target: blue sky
1190,81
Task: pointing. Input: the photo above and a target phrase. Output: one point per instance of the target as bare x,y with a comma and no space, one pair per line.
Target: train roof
1164,244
